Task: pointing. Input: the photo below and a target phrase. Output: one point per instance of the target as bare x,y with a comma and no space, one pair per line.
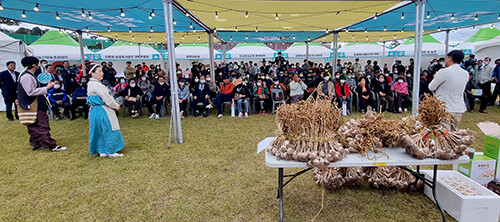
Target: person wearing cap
326,88
241,95
160,93
183,92
343,91
449,85
105,137
29,91
8,85
225,95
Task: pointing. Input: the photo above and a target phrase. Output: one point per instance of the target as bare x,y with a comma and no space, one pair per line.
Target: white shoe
209,106
115,155
406,110
103,154
157,116
59,148
399,109
152,116
219,116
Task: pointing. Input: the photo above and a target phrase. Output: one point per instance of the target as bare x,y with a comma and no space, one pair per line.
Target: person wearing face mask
132,98
212,84
384,92
183,96
311,85
409,80
403,99
440,65
260,94
350,80
496,77
59,99
145,86
122,84
159,96
277,85
297,87
269,80
201,94
326,88
225,95
80,99
364,95
471,85
241,95
424,86
484,77
357,66
343,91
337,78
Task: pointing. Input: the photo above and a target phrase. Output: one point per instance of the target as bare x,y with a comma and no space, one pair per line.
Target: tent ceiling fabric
370,36
277,15
269,36
157,37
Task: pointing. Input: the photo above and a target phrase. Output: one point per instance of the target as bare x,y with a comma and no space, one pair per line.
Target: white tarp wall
194,52
251,51
362,50
490,48
298,51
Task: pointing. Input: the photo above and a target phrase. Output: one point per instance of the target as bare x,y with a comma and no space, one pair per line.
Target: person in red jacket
225,95
343,93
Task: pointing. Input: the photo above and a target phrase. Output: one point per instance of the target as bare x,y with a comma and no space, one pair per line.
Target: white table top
397,157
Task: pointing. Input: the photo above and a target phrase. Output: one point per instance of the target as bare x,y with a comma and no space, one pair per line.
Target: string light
122,14
153,13
175,23
1,6
246,37
256,29
366,30
277,16
57,16
497,18
109,30
133,37
24,14
236,28
156,43
90,16
190,25
216,15
215,30
60,32
439,28
403,30
150,16
199,38
473,27
182,37
385,28
246,14
376,16
352,36
381,38
347,30
394,36
476,18
129,30
402,15
151,29
87,29
491,27
456,30
293,37
230,38
308,38
36,9
428,14
452,16
187,14
83,13
326,31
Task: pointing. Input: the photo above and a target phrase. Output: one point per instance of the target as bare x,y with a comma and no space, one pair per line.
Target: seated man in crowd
343,93
183,91
201,94
260,93
402,96
225,95
80,99
469,88
132,96
297,88
160,93
278,85
59,98
212,84
383,89
364,95
326,89
241,94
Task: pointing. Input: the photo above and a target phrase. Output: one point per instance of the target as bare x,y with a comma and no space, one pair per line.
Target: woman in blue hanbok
105,137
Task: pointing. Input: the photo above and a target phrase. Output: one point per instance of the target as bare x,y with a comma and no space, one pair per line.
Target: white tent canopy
11,50
490,48
251,51
127,51
430,47
56,46
194,51
363,49
481,36
298,50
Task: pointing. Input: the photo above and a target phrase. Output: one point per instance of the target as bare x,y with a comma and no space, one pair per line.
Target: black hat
342,77
29,61
182,80
275,79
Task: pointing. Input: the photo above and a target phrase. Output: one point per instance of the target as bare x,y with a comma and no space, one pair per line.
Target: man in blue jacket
160,92
8,84
201,94
59,98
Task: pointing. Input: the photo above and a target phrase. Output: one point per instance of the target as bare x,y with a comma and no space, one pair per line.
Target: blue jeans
247,104
347,99
221,98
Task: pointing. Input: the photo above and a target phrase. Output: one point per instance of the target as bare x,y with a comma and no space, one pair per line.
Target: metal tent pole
169,31
383,55
82,55
224,52
419,29
335,51
211,53
447,42
307,50
139,47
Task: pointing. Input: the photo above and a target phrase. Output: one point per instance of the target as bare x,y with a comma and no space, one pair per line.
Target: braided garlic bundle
335,177
452,145
307,132
389,177
419,145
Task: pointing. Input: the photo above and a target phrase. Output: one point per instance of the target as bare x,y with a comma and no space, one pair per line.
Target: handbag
131,99
28,116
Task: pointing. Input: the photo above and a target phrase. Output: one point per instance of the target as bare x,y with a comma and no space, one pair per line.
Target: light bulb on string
452,16
90,16
256,29
1,6
151,29
109,30
476,18
182,37
236,28
175,23
376,16
60,32
491,27
216,15
24,14
439,28
403,30
326,31
456,30
394,36
187,14
497,17
129,30
352,36
277,16
150,16
215,30
190,25
473,27
246,37
347,30
83,13
122,13
308,38
230,38
428,15
36,9
87,29
293,37
199,38
153,13
246,14
381,38
133,37
57,16
402,15
366,30
385,28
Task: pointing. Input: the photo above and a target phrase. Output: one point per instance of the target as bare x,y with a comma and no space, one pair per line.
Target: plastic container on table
483,208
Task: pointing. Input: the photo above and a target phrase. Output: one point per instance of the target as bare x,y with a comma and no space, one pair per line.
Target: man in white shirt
356,66
449,85
484,76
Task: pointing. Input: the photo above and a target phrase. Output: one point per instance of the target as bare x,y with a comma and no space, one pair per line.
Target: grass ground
214,176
